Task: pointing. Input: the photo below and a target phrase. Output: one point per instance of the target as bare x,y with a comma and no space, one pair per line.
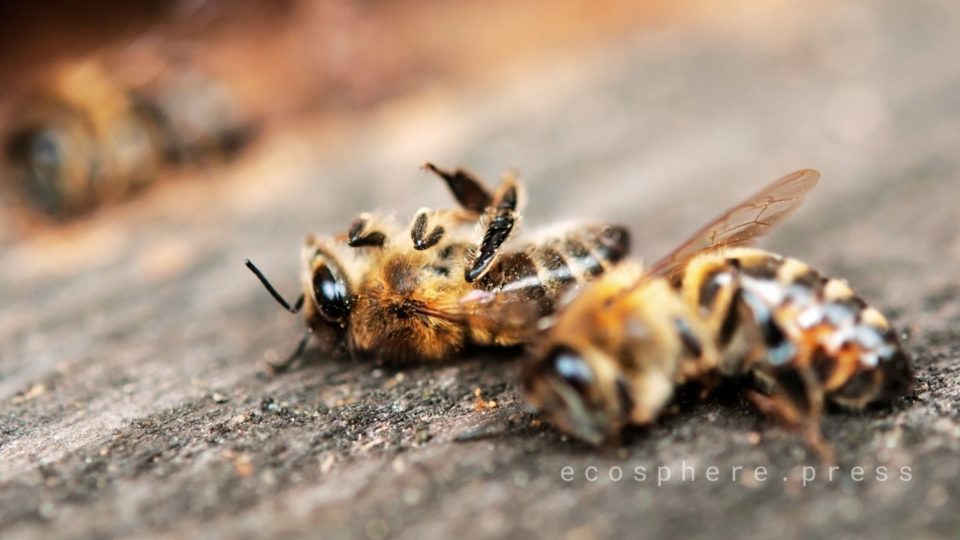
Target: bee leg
501,219
466,188
293,359
708,384
361,234
418,231
781,409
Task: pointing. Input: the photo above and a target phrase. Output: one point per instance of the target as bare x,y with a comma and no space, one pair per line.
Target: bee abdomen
546,271
856,355
516,274
579,256
771,312
582,254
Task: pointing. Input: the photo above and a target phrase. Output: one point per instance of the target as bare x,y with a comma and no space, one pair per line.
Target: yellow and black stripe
544,272
797,332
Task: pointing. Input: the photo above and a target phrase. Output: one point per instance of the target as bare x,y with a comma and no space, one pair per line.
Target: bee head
325,301
38,156
570,388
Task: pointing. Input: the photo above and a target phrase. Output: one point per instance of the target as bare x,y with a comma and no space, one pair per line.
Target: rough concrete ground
132,398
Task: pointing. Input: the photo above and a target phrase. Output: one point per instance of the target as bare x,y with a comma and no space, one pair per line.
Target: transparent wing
503,314
514,314
751,219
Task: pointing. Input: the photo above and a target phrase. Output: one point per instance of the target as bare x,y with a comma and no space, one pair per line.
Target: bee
84,138
450,279
715,309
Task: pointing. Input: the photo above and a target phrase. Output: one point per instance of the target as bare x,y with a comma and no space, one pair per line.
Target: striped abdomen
530,281
543,272
781,321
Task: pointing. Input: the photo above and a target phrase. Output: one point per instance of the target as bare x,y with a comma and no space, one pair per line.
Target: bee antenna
273,292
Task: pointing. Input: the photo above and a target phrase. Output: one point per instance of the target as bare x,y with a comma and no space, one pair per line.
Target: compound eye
330,294
569,365
39,154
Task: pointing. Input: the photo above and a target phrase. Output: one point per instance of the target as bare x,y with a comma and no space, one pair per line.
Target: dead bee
79,142
195,116
451,279
710,309
85,139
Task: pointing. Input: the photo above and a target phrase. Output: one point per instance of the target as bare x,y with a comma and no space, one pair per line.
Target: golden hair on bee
451,279
713,308
614,359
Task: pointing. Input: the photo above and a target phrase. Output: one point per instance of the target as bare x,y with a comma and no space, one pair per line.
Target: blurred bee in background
710,310
85,138
451,279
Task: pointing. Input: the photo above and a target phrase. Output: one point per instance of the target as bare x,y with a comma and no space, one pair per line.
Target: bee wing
504,314
740,225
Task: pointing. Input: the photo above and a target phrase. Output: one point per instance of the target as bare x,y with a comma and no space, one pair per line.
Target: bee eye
39,153
570,366
330,294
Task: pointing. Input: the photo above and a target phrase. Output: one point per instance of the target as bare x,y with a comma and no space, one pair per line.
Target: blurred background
117,95
149,147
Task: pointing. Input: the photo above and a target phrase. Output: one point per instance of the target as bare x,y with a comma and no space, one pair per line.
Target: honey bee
716,309
84,138
451,279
